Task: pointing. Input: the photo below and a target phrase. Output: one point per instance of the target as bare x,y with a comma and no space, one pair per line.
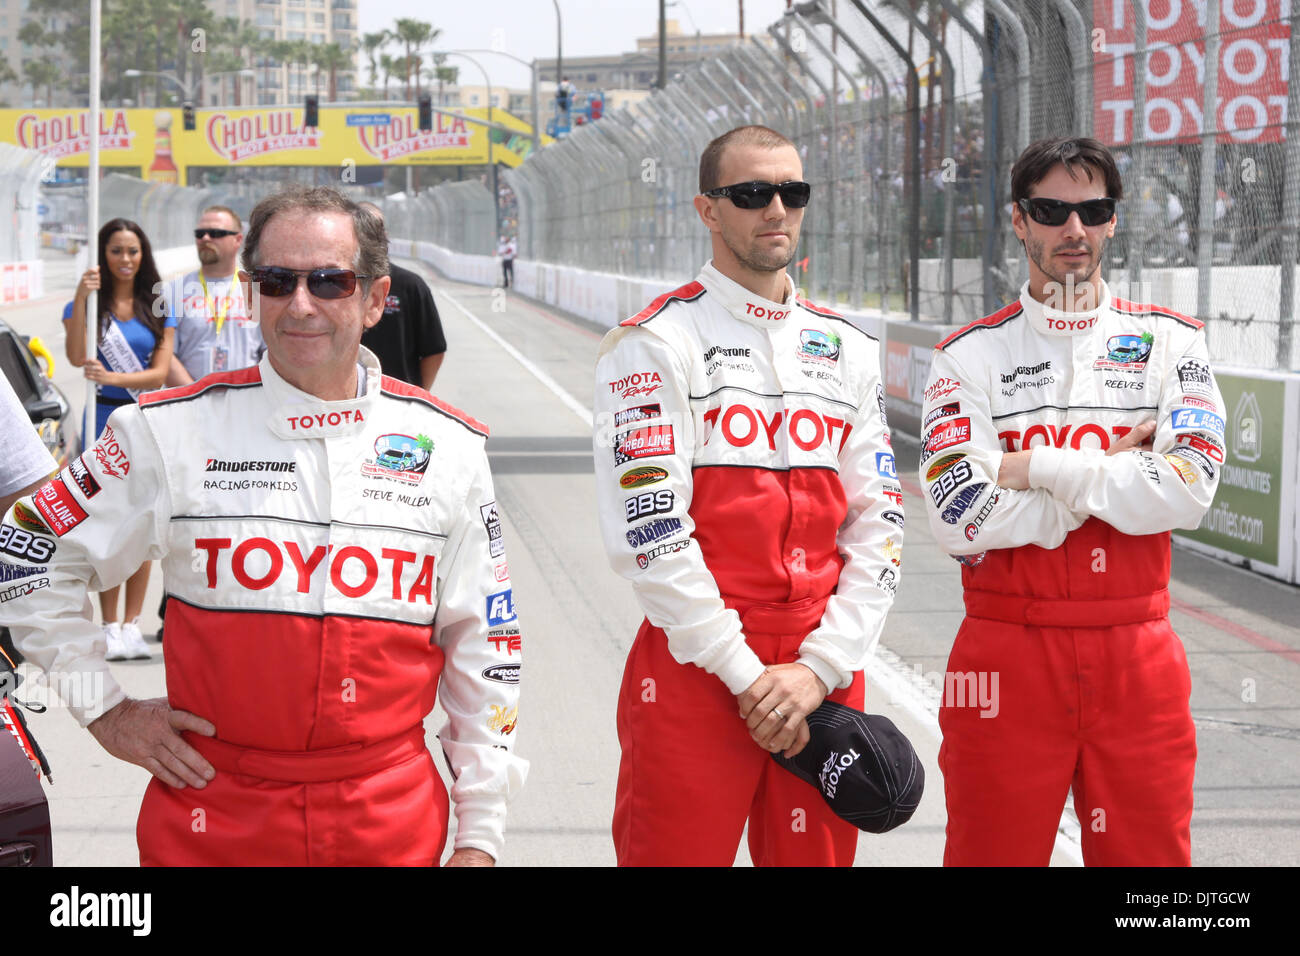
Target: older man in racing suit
747,490
1063,437
331,550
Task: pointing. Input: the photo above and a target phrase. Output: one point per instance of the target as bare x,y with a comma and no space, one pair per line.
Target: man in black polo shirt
408,339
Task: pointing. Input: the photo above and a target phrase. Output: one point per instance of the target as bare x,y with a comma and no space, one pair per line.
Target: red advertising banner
1250,102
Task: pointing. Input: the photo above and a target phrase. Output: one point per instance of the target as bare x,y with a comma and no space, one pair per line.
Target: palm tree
391,65
304,52
332,57
444,73
222,61
243,39
372,43
281,51
414,34
43,72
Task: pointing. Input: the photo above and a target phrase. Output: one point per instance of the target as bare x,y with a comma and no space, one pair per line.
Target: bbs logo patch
949,481
20,543
649,503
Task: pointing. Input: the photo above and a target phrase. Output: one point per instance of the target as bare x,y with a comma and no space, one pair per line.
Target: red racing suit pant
691,775
1090,694
374,800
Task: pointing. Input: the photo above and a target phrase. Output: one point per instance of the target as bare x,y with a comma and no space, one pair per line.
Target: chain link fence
20,177
909,114
167,212
455,215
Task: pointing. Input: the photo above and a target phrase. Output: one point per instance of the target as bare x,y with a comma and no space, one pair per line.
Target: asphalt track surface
527,371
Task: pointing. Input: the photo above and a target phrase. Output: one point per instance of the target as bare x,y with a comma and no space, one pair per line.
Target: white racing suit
747,490
1066,584
326,563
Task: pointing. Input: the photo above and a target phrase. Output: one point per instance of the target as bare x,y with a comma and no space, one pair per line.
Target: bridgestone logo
1008,377
730,353
216,464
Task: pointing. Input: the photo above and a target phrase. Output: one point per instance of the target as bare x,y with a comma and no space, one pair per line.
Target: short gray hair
372,240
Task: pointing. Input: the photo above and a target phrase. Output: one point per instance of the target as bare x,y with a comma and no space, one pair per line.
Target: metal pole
496,182
990,227
761,77
1078,44
740,87
1137,241
814,261
881,211
914,170
537,133
855,235
663,49
1290,201
559,44
1209,137
945,147
1012,22
92,220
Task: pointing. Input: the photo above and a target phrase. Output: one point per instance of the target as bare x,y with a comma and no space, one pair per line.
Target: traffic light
426,112
311,111
597,106
187,116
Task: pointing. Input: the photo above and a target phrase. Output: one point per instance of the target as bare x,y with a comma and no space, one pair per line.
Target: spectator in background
408,339
506,250
214,330
133,356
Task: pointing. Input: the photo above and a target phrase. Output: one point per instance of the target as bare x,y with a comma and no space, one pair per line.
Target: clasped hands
776,706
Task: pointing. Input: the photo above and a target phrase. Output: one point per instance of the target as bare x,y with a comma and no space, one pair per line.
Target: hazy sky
526,28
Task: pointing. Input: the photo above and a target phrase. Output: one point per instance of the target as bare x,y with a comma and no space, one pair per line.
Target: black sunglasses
1054,212
214,233
277,282
794,194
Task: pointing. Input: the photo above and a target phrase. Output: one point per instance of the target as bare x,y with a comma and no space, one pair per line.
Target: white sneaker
117,650
133,641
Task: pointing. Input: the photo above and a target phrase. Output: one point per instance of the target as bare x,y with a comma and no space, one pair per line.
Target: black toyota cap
865,769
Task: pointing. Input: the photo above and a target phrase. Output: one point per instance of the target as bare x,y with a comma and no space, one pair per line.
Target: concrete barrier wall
1253,519
1248,525
22,281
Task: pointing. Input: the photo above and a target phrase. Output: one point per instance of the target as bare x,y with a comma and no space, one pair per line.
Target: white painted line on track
571,403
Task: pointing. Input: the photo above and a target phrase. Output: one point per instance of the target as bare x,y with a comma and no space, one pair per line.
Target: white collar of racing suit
299,414
746,306
1051,321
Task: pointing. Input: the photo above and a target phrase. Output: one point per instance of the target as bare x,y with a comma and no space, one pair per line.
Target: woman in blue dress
135,340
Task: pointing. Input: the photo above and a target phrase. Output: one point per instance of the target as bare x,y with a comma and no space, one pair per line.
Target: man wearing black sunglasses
746,489
216,331
331,551
1064,437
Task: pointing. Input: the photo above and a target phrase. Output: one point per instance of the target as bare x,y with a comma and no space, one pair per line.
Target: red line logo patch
55,503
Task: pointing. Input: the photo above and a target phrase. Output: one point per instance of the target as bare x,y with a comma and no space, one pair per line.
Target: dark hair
1039,158
372,240
711,158
145,287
